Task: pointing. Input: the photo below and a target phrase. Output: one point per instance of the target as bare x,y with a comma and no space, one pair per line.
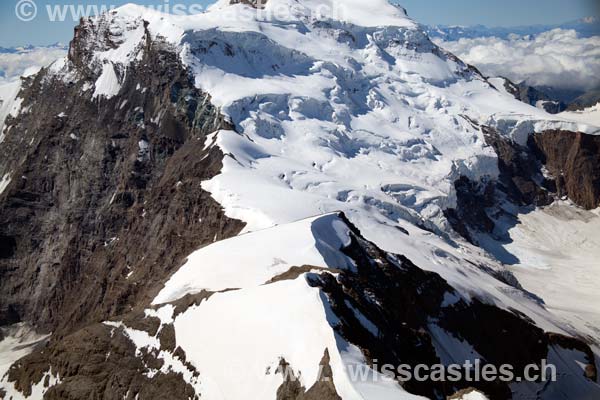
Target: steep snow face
350,116
107,84
297,330
10,104
283,318
359,114
347,117
266,310
338,105
236,263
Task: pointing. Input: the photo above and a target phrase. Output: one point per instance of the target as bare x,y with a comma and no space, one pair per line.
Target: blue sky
41,31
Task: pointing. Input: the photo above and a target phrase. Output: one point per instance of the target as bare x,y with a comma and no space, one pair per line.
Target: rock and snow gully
223,201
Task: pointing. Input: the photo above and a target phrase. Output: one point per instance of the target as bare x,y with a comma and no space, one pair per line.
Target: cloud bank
557,58
13,65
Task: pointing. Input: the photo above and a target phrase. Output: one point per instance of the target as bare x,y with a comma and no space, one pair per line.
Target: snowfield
590,115
237,262
283,317
359,113
297,330
558,250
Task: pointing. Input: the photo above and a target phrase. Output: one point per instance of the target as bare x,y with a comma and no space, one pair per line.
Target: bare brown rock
322,389
295,272
99,361
167,338
108,201
573,159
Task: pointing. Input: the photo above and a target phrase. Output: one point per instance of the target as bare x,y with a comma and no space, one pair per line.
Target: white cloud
557,58
13,65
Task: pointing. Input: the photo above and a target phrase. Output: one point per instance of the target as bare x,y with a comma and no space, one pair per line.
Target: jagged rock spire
259,4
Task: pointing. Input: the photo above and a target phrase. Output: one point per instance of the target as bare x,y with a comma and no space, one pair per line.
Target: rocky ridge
93,177
119,170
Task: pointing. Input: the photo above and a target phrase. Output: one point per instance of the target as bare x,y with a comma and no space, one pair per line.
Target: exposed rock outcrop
322,389
588,99
520,183
102,361
107,198
387,291
573,159
554,164
534,96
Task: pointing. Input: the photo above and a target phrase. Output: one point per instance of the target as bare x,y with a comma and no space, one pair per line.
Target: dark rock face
101,361
106,199
388,290
520,183
573,159
534,96
471,213
252,3
588,99
572,163
521,178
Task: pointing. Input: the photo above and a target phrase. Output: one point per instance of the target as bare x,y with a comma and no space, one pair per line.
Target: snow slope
355,111
286,319
297,330
9,103
259,316
589,115
358,112
236,263
558,250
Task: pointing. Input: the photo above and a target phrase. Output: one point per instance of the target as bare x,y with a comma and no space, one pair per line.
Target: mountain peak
361,13
302,184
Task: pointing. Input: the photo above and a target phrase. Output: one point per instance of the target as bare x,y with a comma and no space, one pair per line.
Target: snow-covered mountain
254,201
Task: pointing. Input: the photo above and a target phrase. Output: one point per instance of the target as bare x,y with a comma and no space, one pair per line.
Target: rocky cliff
130,169
380,307
573,158
105,197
